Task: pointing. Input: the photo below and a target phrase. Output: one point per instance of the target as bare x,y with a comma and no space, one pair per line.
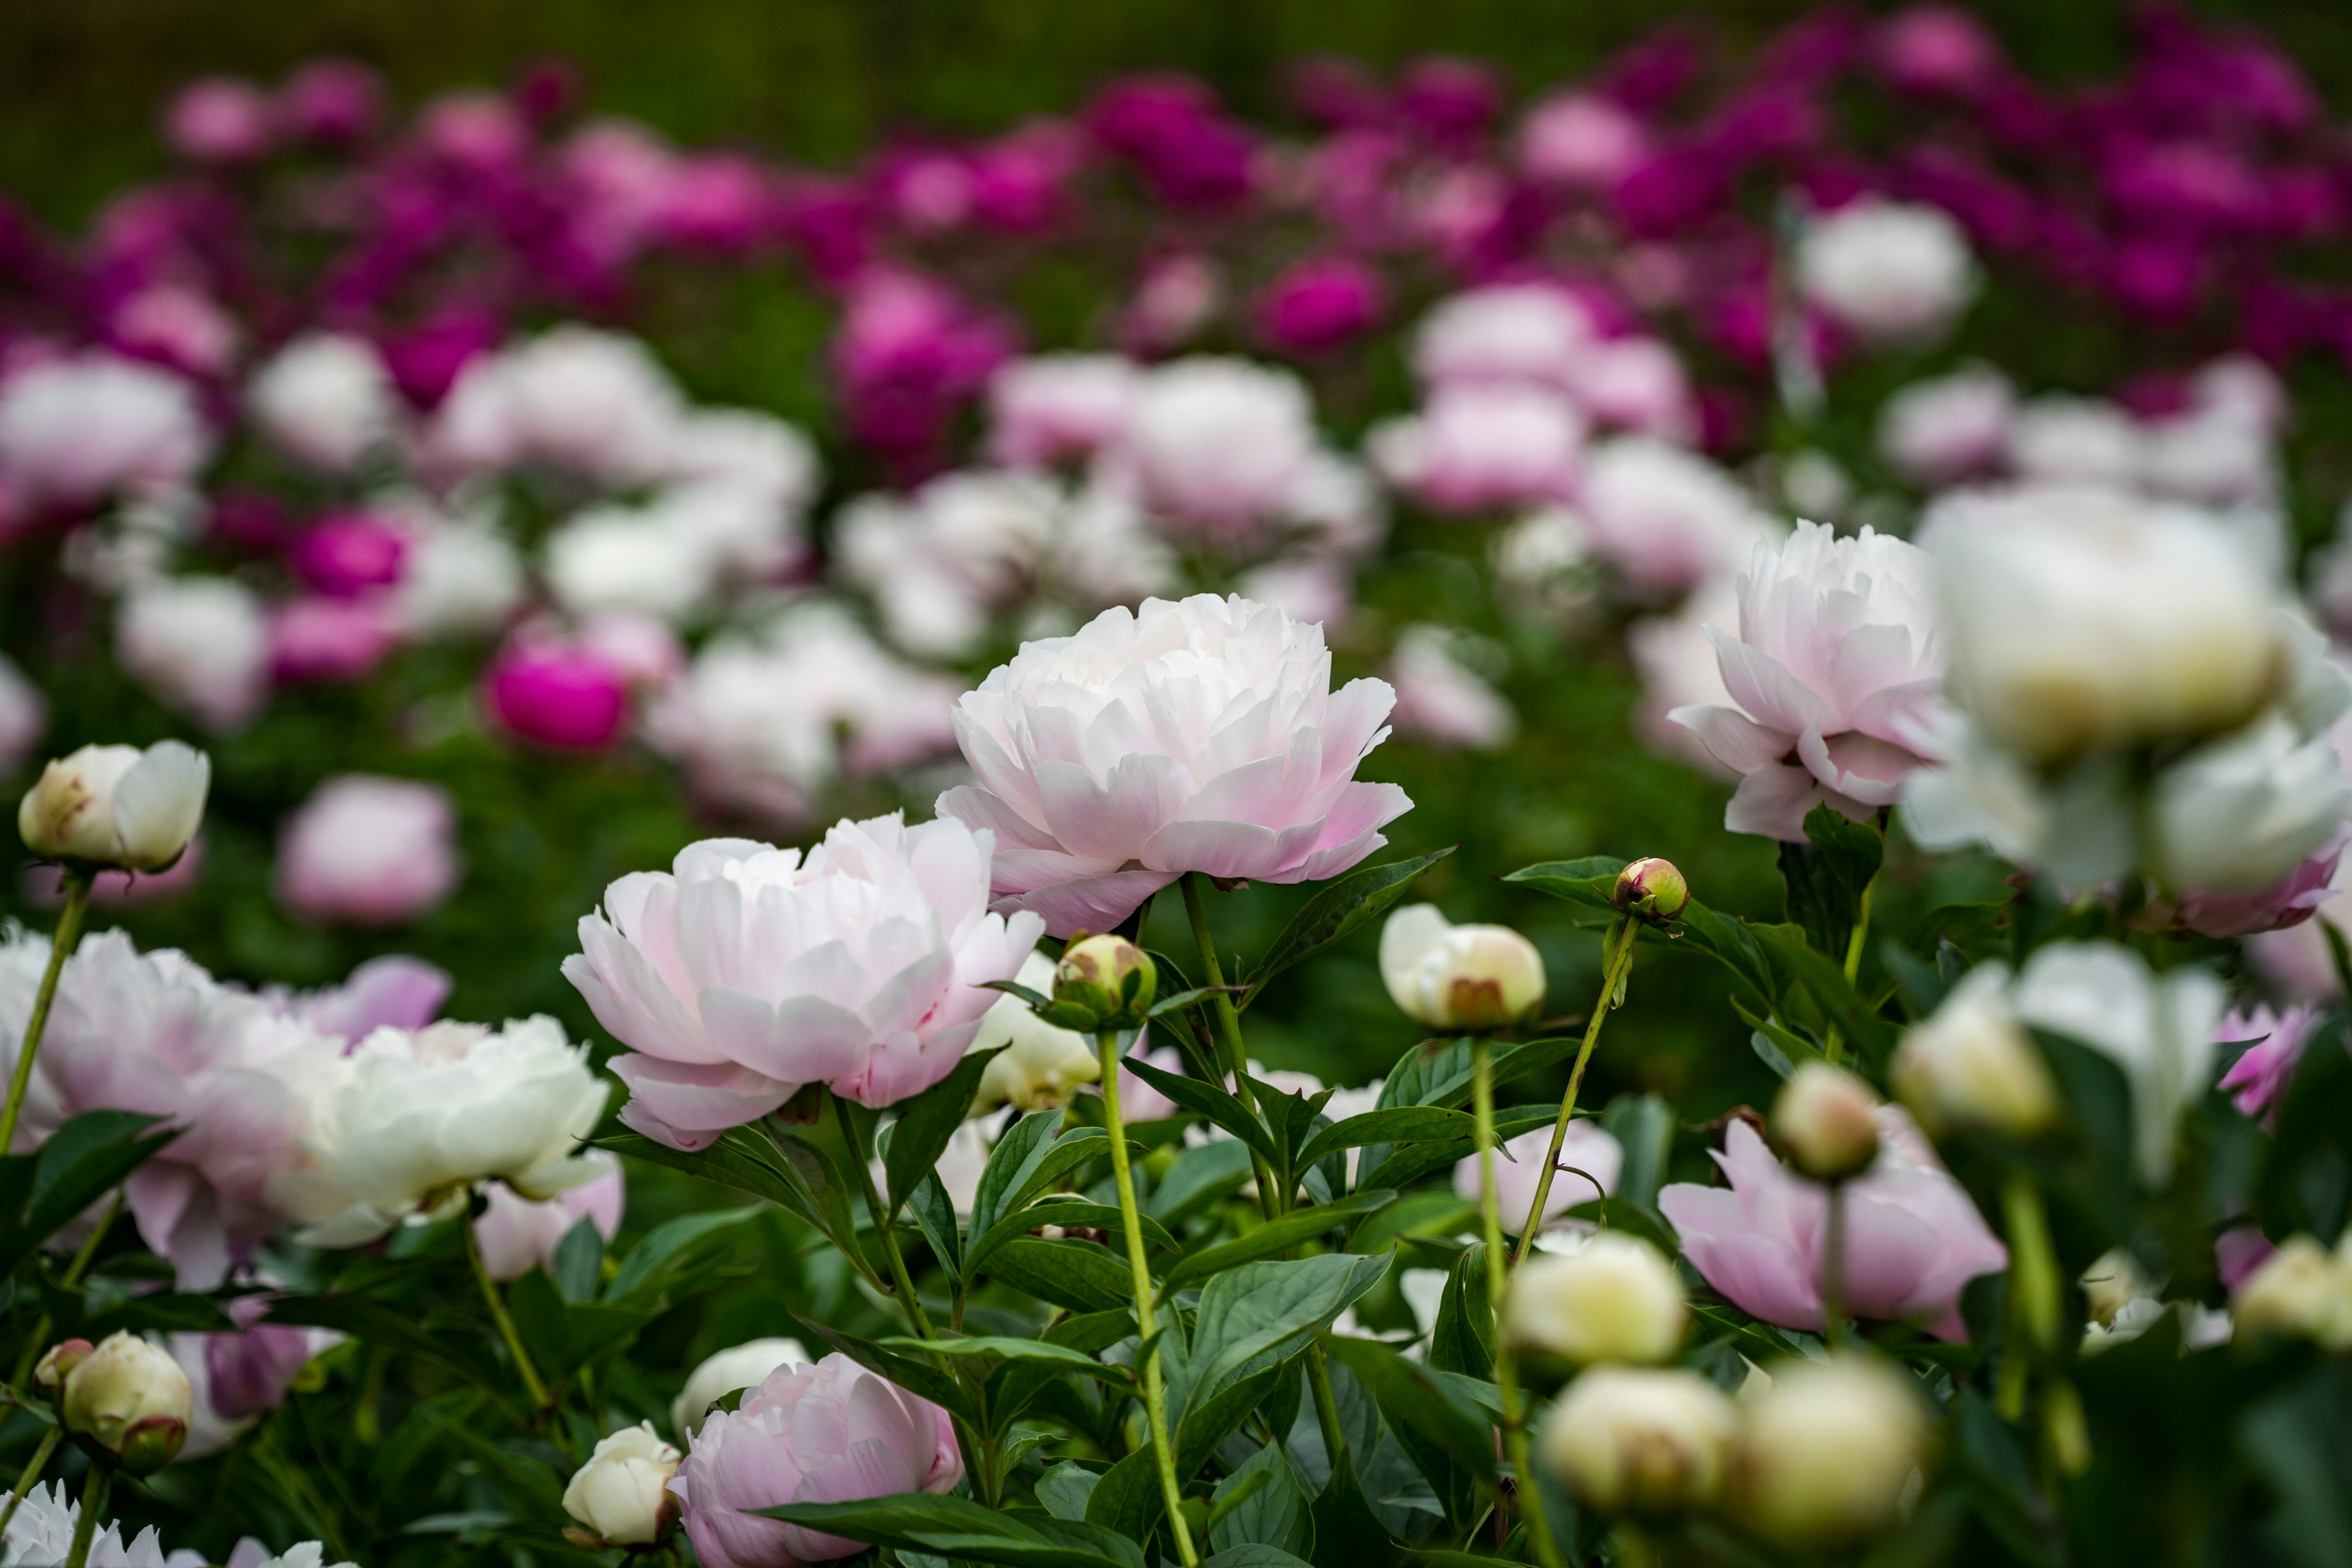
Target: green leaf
1213,1417
1643,1126
958,1526
1078,1275
1262,1504
1064,1488
1587,882
562,1337
1211,1100
1128,1497
988,1351
925,1125
916,1376
457,1348
788,1172
935,1216
1258,1554
1070,1212
1826,878
1198,1177
168,1312
1277,1235
1447,1081
80,1163
1412,1162
1799,963
1406,1124
1191,997
1266,1309
670,1250
1733,944
1039,1155
1347,1533
579,1266
1338,909
1417,1409
1463,1339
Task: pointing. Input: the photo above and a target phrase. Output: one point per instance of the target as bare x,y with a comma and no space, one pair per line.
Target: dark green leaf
1277,1235
1420,1412
958,1526
1463,1339
1587,882
1262,1504
1064,1488
1128,1497
1078,1275
1347,1533
167,1312
670,1250
1211,1100
80,1163
925,1125
579,1266
988,1351
1336,910
935,1216
787,1171
1266,1309
1216,1413
1042,1160
1408,1124
1198,1177
1643,1126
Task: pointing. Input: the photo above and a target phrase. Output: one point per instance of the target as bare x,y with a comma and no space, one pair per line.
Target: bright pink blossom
1319,304
220,120
557,695
2260,1074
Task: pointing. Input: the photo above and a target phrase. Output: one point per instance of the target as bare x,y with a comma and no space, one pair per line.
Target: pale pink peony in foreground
829,1433
1914,1240
745,971
1836,658
1194,736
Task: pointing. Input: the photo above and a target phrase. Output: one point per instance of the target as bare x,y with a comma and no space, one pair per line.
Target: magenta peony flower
1933,48
908,354
518,1234
747,972
330,102
557,695
1837,658
220,120
1913,1237
1319,304
1198,736
829,1433
348,553
1170,129
369,851
236,1378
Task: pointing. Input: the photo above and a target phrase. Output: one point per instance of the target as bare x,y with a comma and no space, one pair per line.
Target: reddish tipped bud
1652,888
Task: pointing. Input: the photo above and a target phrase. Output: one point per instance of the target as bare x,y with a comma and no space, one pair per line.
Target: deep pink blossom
2260,1074
220,120
319,638
1170,129
557,695
336,103
1319,304
349,553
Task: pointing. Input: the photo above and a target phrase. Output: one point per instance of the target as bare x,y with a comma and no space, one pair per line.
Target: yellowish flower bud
1823,1121
1639,1440
1459,979
1616,1298
1821,1457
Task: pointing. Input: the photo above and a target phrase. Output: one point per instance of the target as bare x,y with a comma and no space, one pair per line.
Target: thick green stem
74,1271
1506,1376
1327,1403
541,1400
31,1474
1229,1037
909,1302
1860,930
1155,1396
1616,961
77,883
93,1503
1833,1279
2033,1303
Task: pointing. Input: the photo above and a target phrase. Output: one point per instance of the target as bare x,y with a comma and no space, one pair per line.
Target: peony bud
128,1396
1823,1121
117,805
1971,1064
1652,889
1459,978
1040,1066
51,1370
2302,1289
1615,1298
1823,1457
622,1494
1110,977
1639,1440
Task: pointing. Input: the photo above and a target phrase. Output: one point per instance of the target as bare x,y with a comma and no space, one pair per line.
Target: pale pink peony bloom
1580,141
1177,296
220,120
394,992
2280,906
1194,736
1676,659
592,402
44,884
24,717
1049,408
1914,1240
74,432
1936,48
747,972
237,1378
1667,519
325,400
369,851
320,637
1591,1160
1219,445
201,644
1634,383
1887,272
518,1234
1512,332
1442,700
2260,1074
180,326
1948,427
1836,662
830,1433
1476,449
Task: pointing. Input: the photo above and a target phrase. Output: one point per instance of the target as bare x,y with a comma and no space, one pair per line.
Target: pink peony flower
394,992
74,432
1634,383
236,1378
1478,449
2260,1075
1440,700
518,1235
369,851
908,354
315,637
202,644
1319,304
830,1433
220,120
1939,430
1219,445
349,553
1176,297
1580,141
24,717
557,695
2288,903
747,972
1512,332
1914,1240
178,326
1047,407
1667,519
1590,1154
1194,736
45,888
1837,661
333,103
1936,48
716,202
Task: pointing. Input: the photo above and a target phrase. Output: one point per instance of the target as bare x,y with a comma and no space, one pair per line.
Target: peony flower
1838,654
125,1393
556,695
1047,408
1040,1066
74,432
593,403
630,558
1667,519
201,644
2241,814
717,1376
350,553
942,561
319,637
1827,1452
394,991
42,1532
518,1234
237,1378
829,1433
333,101
1937,431
1194,736
2267,1064
1634,383
1451,978
1823,1119
1614,1297
1514,332
1914,1240
1970,1063
2076,441
24,717
621,1495
2302,1289
459,578
1218,446
1440,700
1481,448
411,1121
1591,1160
369,851
1639,1440
1317,304
178,326
220,120
118,806
326,401
1888,272
1580,140
746,972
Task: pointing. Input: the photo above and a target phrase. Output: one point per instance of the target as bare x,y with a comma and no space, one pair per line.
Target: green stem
1229,1037
1327,1402
541,1400
74,1271
1616,961
1507,1377
1155,1398
32,1473
2033,1292
77,883
1833,1279
93,1503
909,1302
1861,930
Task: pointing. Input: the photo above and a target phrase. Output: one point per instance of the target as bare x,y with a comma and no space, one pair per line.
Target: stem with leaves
1616,962
93,1503
76,880
541,1401
1155,1396
1506,1376
911,1304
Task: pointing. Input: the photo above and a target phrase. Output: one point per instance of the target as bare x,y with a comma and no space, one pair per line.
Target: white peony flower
1218,446
621,1495
2240,814
941,563
1887,272
118,806
1040,1066
1511,333
1615,1298
75,432
1049,407
2059,440
325,400
460,578
1667,519
1944,428
593,403
1449,978
1639,1440
200,644
630,558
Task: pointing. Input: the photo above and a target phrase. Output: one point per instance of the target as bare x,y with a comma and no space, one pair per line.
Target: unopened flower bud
1823,1457
621,1496
1823,1121
117,805
1459,979
1971,1064
1639,1440
1615,1298
1102,983
1040,1065
131,1398
1652,889
50,1372
2301,1290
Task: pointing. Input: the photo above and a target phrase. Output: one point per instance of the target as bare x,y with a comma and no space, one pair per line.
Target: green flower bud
1652,888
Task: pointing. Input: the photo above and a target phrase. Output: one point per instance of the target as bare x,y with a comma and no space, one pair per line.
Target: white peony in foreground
1836,662
1194,736
118,806
747,972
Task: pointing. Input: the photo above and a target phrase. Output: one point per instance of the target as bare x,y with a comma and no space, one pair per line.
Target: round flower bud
131,1399
1823,1120
1971,1064
1459,979
1652,889
2303,1291
1040,1065
1614,1299
50,1372
117,805
1639,1440
621,1496
1110,976
1822,1456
